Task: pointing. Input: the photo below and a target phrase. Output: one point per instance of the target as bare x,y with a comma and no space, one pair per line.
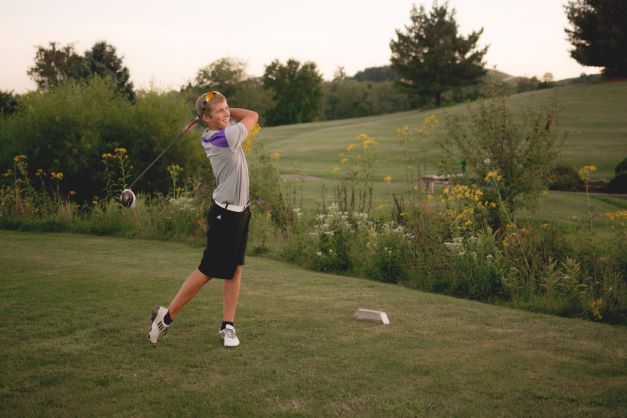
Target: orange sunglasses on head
206,100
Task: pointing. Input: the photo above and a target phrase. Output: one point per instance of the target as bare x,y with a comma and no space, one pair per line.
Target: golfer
227,219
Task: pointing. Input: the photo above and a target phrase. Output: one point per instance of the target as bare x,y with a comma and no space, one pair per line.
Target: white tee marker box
370,315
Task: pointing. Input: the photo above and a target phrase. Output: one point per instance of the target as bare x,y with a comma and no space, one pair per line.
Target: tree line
431,64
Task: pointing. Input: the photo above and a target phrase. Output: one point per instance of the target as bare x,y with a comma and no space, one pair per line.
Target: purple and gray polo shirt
230,169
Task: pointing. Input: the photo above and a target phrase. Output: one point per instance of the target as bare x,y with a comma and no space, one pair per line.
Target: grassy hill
76,311
594,116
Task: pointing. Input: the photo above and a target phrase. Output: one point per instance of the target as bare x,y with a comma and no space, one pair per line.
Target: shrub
564,178
69,128
622,166
618,184
521,150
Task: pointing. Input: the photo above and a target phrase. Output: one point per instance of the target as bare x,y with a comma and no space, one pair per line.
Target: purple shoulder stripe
217,140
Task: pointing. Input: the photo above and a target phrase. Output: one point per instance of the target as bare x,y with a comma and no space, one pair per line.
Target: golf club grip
189,125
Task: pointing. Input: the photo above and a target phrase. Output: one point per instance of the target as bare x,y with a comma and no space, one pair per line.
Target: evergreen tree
102,60
599,34
431,58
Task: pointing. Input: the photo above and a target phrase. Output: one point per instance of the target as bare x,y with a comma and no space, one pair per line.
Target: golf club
127,198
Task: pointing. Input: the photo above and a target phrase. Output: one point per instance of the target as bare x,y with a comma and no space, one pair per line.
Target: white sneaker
158,326
229,336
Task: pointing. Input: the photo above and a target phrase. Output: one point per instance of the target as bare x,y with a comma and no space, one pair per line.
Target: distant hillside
499,76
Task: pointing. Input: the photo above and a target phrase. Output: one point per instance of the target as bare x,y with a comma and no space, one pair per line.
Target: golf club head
127,198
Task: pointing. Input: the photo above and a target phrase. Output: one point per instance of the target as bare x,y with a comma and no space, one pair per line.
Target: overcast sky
164,43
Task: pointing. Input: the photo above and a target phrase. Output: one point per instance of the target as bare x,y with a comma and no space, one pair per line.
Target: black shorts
227,236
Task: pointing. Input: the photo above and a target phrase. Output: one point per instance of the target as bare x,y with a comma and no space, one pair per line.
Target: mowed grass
76,310
594,116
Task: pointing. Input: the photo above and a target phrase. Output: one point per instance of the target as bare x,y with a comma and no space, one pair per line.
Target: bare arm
247,117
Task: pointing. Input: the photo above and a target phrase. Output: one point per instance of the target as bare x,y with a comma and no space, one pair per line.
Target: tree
9,103
385,73
102,60
55,66
223,75
297,91
430,58
599,34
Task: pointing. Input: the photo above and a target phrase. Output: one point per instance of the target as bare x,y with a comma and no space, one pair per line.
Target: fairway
76,311
593,117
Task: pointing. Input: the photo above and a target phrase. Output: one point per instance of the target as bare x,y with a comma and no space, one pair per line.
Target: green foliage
622,166
521,152
224,75
102,60
565,178
54,67
69,128
9,103
349,98
377,74
527,84
296,90
431,58
251,94
598,34
266,188
618,184
354,190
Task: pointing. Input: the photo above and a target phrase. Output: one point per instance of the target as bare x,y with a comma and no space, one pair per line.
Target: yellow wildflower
19,158
493,174
40,172
387,179
120,150
276,155
368,142
56,175
403,132
336,170
431,120
72,193
350,147
585,171
344,160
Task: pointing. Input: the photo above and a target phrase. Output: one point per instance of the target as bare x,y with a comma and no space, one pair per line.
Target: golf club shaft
189,125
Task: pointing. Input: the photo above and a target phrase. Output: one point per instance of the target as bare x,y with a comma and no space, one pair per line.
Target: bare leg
231,294
190,288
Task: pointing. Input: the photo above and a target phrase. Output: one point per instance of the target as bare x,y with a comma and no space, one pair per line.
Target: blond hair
202,103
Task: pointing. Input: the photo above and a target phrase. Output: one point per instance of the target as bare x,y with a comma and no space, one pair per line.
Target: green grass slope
593,115
75,316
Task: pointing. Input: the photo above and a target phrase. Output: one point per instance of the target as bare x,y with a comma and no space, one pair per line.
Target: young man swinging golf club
227,219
